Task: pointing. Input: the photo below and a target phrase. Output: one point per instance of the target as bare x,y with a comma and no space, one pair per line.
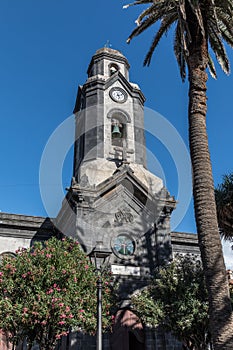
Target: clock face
118,95
124,245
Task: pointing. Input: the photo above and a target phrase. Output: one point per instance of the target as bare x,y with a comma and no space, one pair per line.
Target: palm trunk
220,311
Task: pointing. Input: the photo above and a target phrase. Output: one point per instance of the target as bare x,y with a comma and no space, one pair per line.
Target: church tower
113,198
109,116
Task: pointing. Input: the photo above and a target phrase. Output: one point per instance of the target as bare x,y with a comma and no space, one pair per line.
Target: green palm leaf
218,48
165,25
179,52
211,67
214,18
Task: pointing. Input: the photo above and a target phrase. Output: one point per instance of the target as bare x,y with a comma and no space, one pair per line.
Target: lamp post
98,257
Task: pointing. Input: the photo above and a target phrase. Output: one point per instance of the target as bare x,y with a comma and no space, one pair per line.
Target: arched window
113,68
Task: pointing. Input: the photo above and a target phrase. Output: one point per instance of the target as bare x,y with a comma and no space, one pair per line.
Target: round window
124,245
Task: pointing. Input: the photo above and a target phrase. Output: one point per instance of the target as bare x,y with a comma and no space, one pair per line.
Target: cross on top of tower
108,44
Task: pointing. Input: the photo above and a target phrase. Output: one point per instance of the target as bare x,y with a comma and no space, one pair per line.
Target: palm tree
224,203
198,25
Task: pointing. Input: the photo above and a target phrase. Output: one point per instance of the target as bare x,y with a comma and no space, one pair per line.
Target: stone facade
22,230
112,198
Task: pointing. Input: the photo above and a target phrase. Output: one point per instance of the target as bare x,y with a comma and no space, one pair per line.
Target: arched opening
113,68
119,120
118,132
128,332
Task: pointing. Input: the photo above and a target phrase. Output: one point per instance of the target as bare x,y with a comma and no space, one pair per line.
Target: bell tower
113,198
109,118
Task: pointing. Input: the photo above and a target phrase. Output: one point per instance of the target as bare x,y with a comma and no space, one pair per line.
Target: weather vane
108,44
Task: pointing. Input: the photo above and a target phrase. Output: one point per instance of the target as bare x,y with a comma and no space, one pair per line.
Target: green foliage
177,300
213,19
48,289
224,203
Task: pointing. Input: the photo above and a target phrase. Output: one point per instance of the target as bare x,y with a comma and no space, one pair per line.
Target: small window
113,68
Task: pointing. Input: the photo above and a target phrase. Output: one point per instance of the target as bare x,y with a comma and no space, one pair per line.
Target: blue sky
45,49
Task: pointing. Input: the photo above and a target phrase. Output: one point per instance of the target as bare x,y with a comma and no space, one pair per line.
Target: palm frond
226,28
164,27
213,19
160,7
224,204
211,67
218,48
182,9
185,36
212,14
143,26
144,13
225,5
179,53
227,37
139,2
195,6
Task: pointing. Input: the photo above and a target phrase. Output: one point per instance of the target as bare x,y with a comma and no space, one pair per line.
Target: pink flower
63,316
61,323
64,333
81,310
58,336
67,308
25,310
75,279
71,316
24,275
1,273
43,323
106,282
49,291
64,272
86,267
61,304
48,255
55,285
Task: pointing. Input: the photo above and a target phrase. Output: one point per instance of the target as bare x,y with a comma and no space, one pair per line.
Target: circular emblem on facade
118,94
124,246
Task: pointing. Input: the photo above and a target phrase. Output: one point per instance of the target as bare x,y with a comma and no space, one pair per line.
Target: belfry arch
119,120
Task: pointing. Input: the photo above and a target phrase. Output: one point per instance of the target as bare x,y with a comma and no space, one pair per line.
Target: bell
116,132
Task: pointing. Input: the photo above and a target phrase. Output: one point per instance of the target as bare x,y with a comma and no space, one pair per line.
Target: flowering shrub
177,299
49,289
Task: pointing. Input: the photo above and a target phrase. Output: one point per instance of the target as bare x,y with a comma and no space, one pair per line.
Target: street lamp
98,257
